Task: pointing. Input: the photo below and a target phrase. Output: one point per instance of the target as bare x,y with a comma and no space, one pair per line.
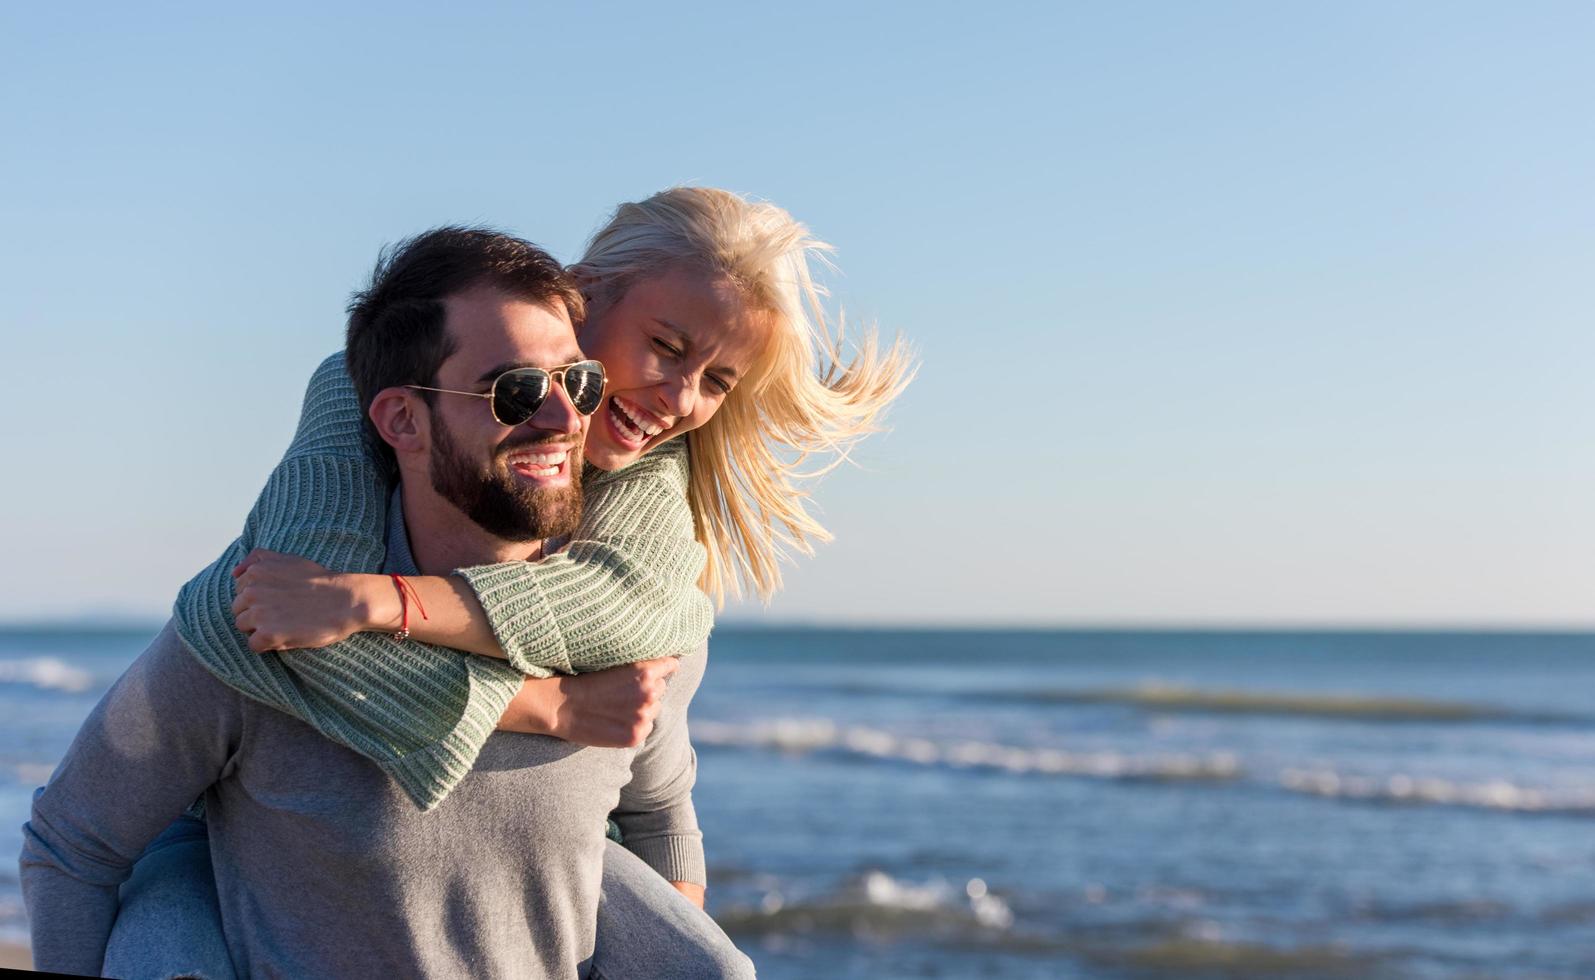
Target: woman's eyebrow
673,329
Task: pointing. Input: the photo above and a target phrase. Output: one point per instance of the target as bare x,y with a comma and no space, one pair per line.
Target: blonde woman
725,380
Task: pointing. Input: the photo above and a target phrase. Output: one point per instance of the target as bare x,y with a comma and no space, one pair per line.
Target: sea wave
879,906
46,673
802,736
813,735
1359,707
1401,789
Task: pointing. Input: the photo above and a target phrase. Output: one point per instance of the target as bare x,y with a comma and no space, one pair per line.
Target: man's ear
401,420
596,296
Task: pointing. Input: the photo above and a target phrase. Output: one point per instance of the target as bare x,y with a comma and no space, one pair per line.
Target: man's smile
543,465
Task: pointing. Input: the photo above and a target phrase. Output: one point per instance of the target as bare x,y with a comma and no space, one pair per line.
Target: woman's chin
608,457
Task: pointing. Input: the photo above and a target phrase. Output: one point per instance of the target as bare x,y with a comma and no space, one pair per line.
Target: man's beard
491,496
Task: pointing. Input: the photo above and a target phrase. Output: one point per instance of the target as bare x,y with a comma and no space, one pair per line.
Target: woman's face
673,347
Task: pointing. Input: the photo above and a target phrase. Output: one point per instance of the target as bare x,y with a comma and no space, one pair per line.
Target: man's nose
557,413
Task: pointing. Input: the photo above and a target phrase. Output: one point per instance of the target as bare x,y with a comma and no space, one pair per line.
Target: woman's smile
631,424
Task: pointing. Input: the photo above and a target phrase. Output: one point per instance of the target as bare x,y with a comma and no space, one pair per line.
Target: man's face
518,483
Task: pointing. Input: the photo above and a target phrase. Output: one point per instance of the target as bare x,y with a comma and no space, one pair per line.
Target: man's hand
612,708
693,892
285,602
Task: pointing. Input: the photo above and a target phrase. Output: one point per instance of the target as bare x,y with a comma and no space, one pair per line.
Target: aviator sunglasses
518,393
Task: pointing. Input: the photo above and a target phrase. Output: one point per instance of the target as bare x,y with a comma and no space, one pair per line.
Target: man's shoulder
168,665
166,712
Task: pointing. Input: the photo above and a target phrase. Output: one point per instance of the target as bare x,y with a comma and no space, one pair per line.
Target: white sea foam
882,890
880,905
803,735
810,735
1496,794
46,673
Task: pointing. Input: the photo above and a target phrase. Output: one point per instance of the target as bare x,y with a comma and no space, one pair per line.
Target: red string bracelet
406,593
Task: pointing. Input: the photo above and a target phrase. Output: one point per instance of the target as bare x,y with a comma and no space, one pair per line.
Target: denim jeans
169,924
649,931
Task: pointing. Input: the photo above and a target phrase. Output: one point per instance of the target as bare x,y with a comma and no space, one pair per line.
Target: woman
702,308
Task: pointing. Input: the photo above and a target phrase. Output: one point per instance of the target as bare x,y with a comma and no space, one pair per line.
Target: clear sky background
1239,313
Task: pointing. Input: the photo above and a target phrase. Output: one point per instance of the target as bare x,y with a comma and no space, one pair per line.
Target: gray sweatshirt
324,867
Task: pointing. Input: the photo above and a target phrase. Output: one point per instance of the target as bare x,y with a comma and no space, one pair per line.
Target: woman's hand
285,602
612,708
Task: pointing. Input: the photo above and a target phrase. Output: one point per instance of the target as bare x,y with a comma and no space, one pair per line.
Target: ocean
1091,804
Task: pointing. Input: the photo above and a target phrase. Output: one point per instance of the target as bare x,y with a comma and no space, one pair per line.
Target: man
323,866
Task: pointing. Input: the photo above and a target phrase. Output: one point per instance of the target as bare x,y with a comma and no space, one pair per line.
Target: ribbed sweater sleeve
624,589
421,713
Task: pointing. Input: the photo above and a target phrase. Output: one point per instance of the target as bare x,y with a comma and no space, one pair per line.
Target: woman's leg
170,923
649,931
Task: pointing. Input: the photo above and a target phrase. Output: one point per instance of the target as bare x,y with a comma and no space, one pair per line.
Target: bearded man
323,866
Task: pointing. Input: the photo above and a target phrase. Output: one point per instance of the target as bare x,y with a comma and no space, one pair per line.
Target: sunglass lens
517,395
584,382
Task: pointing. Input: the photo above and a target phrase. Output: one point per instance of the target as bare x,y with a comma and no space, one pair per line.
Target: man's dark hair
396,325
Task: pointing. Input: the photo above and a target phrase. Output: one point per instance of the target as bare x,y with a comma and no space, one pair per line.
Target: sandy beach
14,956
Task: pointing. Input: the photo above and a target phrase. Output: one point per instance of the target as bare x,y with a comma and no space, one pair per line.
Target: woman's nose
679,396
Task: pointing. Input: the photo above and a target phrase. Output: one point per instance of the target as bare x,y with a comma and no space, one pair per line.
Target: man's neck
443,539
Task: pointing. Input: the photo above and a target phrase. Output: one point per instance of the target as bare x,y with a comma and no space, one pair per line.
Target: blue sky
1230,312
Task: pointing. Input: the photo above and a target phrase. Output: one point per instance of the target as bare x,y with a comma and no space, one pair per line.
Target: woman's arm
624,589
293,602
286,602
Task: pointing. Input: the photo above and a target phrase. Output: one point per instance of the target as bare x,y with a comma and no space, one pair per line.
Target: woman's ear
400,420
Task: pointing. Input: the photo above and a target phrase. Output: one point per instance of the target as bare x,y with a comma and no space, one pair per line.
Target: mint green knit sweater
625,589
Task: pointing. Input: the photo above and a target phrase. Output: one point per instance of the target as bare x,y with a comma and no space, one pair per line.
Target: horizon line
753,623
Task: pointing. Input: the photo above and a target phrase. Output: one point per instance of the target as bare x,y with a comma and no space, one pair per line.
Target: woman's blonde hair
800,399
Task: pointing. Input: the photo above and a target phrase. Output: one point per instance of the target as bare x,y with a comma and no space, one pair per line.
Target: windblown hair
397,334
801,399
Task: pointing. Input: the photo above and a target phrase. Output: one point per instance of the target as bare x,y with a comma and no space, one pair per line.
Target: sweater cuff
520,616
677,858
431,773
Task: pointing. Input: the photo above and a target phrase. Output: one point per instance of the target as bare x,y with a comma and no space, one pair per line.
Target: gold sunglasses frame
556,376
